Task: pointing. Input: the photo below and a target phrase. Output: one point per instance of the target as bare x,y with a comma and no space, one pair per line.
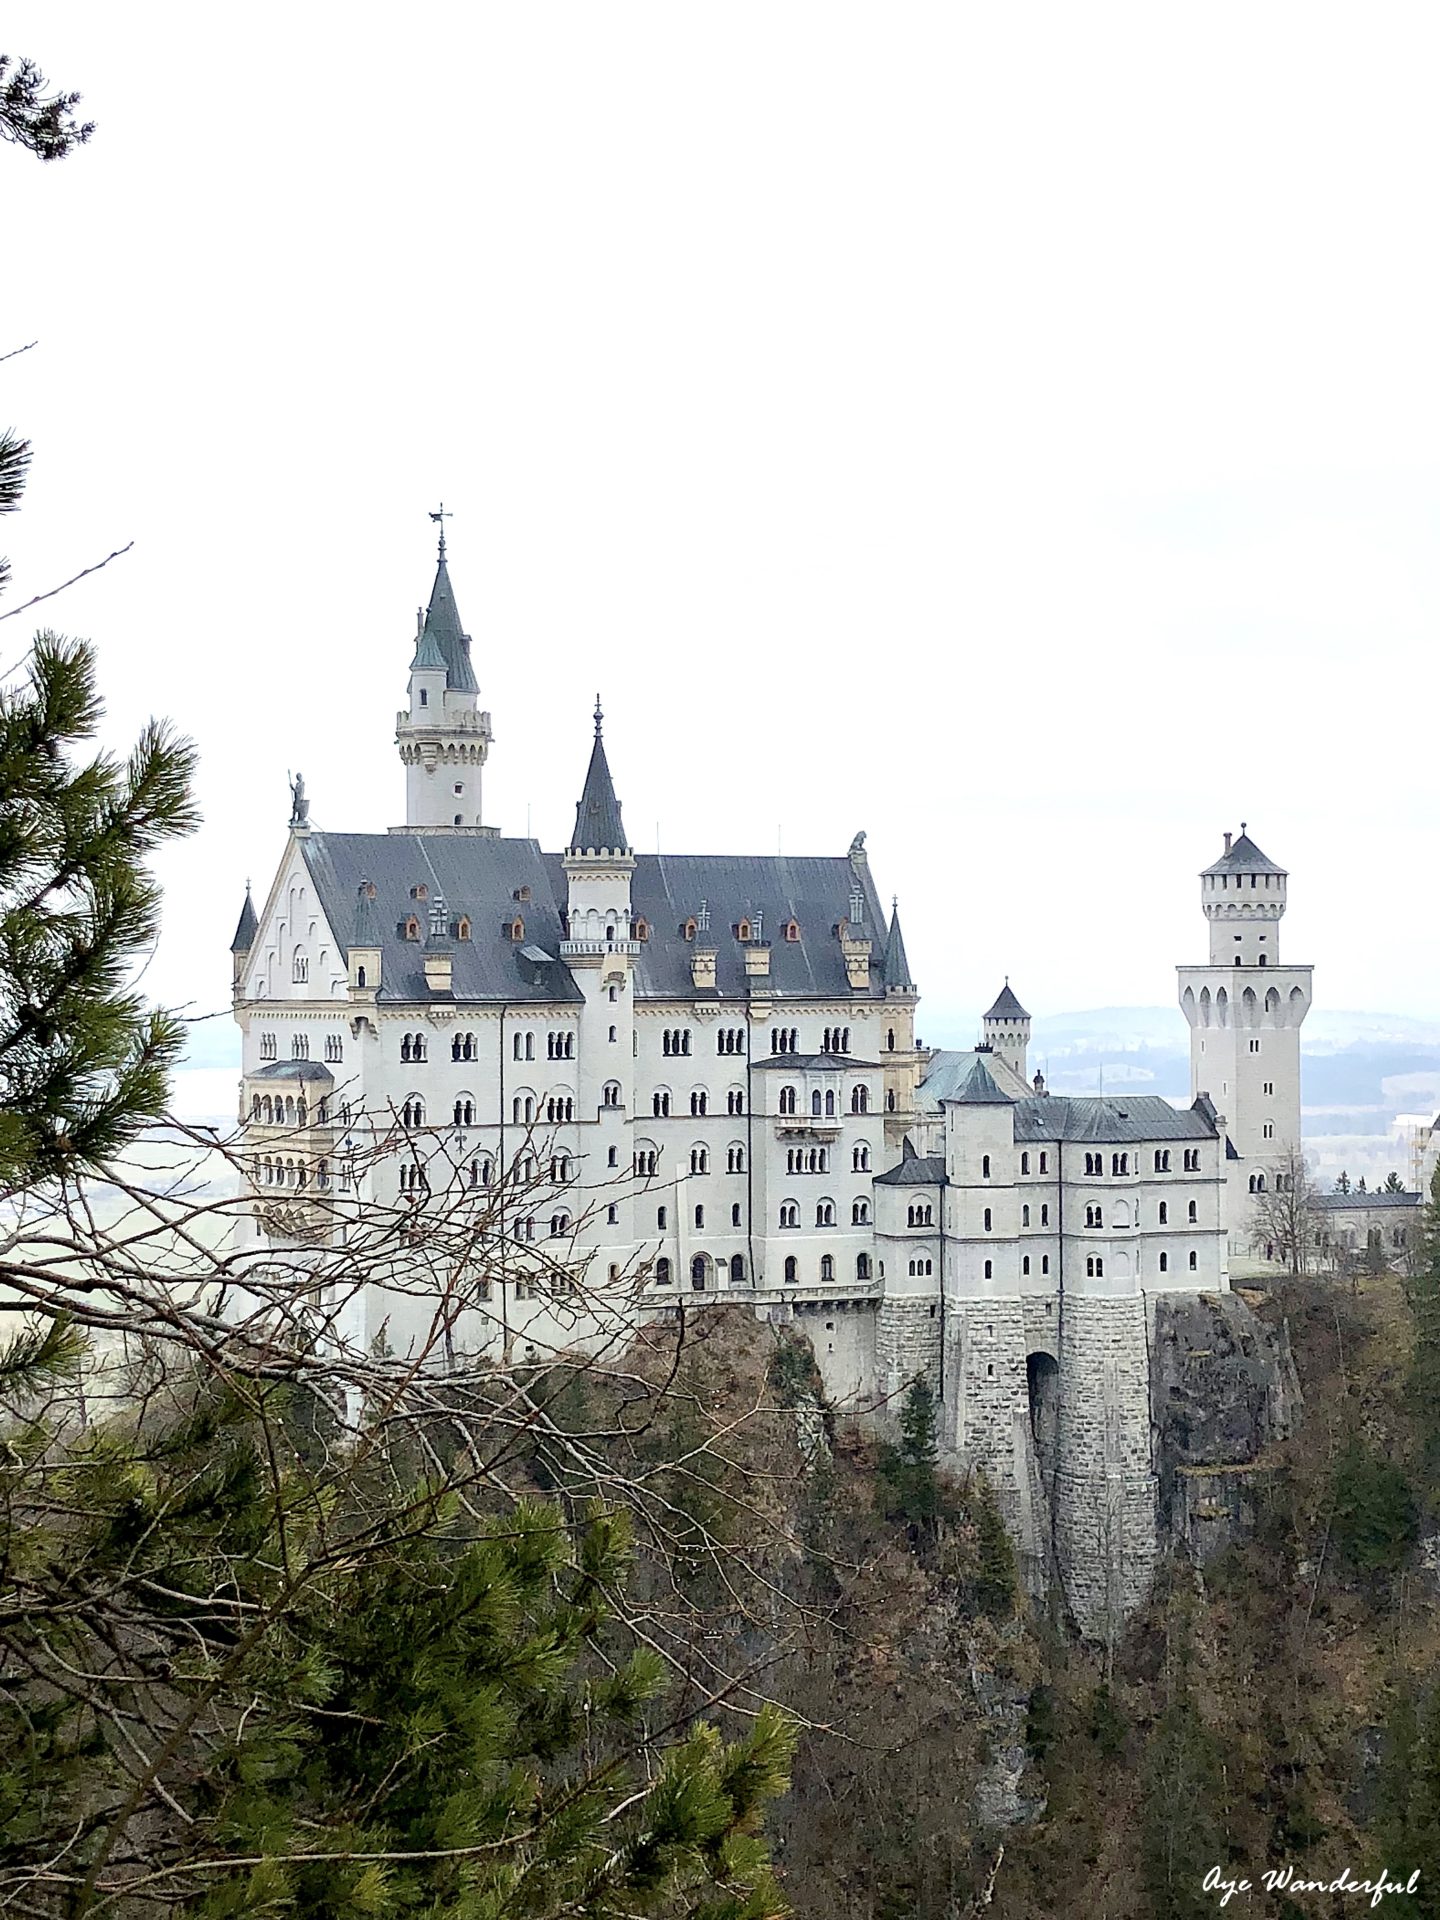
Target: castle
678,1077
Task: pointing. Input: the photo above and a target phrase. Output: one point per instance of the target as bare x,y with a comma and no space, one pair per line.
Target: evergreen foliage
1375,1521
42,122
910,1471
1423,1292
336,1691
83,1062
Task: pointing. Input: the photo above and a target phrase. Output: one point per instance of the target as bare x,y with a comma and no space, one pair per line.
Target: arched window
1025,1265
699,1216
984,1166
660,1104
559,1225
1024,1216
792,1270
1194,1261
988,1221
989,1269
662,1219
890,1101
1164,1263
1164,1217
464,1113
699,1160
737,1269
662,1273
1192,1214
860,1214
360,976
412,1114
815,1103
829,1103
787,1099
859,1100
697,1273
862,1266
735,1159
789,1213
860,1158
827,1266
825,1213
1024,1163
610,1094
699,1103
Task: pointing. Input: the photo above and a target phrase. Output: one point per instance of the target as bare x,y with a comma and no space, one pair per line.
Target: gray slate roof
294,1070
977,1087
1244,857
797,1061
480,877
597,817
1352,1202
1146,1116
947,1072
914,1170
245,926
1006,1006
442,632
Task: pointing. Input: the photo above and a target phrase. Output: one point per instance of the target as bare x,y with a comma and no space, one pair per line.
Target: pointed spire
1006,1006
598,826
442,640
246,926
896,968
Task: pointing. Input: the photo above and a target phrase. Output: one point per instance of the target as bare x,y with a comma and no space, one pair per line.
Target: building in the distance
663,1077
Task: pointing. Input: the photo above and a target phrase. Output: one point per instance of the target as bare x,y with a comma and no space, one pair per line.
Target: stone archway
1042,1380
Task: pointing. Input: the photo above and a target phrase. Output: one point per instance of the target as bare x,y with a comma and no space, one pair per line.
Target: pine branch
83,574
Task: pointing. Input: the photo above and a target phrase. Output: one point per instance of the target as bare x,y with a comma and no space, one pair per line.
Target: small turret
442,737
1007,1029
1243,895
246,927
896,968
598,826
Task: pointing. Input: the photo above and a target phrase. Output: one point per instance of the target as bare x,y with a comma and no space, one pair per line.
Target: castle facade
666,1078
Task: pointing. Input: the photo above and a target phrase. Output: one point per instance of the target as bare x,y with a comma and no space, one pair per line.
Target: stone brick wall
1105,1483
907,1343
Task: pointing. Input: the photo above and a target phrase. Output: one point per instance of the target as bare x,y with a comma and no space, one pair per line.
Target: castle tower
900,1054
1245,1010
240,947
1007,1029
442,737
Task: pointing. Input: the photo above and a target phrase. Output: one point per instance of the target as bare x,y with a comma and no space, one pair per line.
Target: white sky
1009,430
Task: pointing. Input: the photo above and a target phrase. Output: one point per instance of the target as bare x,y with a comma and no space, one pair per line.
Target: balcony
588,949
808,1126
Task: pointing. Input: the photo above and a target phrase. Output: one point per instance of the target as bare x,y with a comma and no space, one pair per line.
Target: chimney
1227,843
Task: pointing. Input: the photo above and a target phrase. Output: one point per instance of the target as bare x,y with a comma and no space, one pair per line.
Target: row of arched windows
287,1111
462,1046
675,1040
920,1214
412,1046
271,1171
730,1040
784,1040
824,1213
836,1040
559,1046
807,1159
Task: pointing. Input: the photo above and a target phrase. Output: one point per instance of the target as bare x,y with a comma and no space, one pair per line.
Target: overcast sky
1012,431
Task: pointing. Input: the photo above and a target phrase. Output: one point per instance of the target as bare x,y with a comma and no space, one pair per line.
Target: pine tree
910,1471
83,1062
42,122
1423,1293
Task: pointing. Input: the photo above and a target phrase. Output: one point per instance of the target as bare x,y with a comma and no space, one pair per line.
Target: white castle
704,1071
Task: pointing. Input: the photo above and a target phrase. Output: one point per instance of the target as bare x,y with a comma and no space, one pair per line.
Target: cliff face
1223,1393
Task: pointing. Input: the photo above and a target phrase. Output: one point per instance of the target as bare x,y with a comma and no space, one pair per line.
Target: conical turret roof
246,926
895,970
1006,1006
978,1089
1243,856
442,641
597,817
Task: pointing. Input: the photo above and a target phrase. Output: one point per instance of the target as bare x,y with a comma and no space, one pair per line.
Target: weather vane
440,516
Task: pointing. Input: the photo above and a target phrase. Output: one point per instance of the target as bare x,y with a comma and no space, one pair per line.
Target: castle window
1192,1214
890,1101
1194,1261
412,1114
789,1213
1268,1130
787,1100
464,1113
860,1214
890,1040
699,1103
860,1159
862,1266
559,1225
1025,1264
735,1159
688,930
735,1100
860,1100
792,930
660,1104
792,1270
1162,1160
662,1273
1192,1159
360,976
699,1160
827,1266
334,1047
1045,1214
984,1166
300,966
830,1103
517,929
1095,1267
640,930
735,1214
989,1269
825,1213
1164,1216
742,930
424,696
1164,1263
1044,1163
1024,1163
699,1216
645,1161
1044,1263
737,1269
662,1219
1024,1216
610,1094
815,1103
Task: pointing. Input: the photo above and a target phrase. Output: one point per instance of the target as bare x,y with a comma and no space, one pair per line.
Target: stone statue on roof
857,845
299,805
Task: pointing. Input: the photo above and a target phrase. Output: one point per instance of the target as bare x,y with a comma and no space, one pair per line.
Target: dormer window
422,892
742,930
516,929
687,932
462,927
641,930
521,893
412,928
792,930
